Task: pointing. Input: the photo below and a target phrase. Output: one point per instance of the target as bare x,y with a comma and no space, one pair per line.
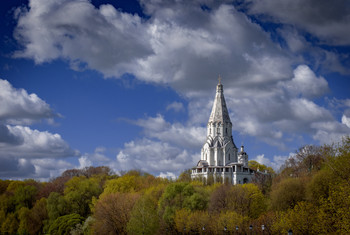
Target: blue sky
130,84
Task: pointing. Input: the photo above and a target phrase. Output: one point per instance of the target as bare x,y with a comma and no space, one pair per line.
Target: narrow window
226,130
229,157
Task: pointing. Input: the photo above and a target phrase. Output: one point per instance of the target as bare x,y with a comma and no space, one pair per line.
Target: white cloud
306,83
154,157
345,120
276,163
105,39
98,157
186,47
168,175
84,162
177,134
35,144
47,168
329,24
165,48
19,107
331,132
41,169
26,152
176,106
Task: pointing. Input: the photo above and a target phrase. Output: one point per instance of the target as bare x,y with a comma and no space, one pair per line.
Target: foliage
64,224
79,192
310,195
287,193
112,213
144,218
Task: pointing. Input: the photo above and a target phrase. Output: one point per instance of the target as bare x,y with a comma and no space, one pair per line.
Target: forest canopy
309,195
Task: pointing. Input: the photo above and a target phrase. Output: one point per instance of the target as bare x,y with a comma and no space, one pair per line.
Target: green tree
64,224
185,176
173,198
23,215
112,213
144,217
25,196
79,192
10,224
56,206
287,194
301,219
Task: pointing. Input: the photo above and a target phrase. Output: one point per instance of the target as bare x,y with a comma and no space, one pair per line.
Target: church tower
219,149
220,159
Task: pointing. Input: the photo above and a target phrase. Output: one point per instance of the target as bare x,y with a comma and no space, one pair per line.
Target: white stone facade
220,158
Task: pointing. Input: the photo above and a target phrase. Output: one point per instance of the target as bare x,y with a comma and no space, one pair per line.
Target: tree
248,200
176,196
3,185
37,216
228,220
185,176
144,217
112,213
56,206
25,196
10,224
287,194
301,219
23,215
64,224
319,186
219,199
333,214
261,167
79,192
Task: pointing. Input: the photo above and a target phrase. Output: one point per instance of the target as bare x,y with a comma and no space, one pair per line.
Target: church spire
219,112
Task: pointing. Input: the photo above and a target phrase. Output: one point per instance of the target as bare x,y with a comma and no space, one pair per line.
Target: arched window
245,181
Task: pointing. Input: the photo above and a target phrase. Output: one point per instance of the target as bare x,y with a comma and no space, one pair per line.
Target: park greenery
309,195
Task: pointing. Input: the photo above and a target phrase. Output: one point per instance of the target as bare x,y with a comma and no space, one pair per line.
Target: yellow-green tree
112,213
287,193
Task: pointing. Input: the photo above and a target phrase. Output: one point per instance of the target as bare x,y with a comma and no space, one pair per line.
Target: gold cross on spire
219,79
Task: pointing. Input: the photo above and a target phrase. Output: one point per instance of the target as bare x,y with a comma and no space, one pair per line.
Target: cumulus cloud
306,84
170,47
98,157
329,24
185,136
40,169
35,144
285,109
26,152
154,157
345,120
176,106
103,39
19,107
186,46
168,175
275,163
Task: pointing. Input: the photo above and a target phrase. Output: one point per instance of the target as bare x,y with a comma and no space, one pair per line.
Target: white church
220,158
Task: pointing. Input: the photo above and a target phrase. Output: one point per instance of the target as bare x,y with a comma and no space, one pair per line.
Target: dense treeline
310,195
